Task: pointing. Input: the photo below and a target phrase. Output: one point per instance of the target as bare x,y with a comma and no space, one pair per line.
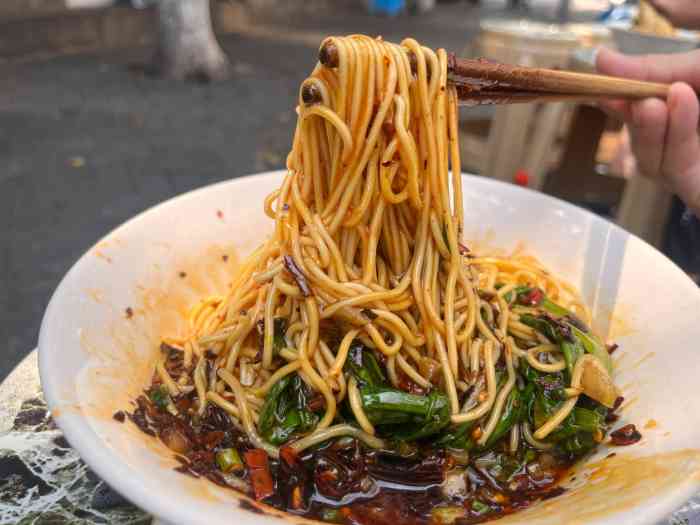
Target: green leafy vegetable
457,437
480,508
285,411
549,393
267,413
544,326
581,420
447,515
362,364
554,308
573,341
331,515
412,416
593,346
572,351
509,417
278,340
515,292
578,444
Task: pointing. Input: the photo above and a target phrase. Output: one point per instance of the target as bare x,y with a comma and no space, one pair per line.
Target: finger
648,134
618,109
664,7
623,163
682,151
680,67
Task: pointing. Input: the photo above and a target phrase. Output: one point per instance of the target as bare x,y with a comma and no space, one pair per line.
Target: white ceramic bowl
634,42
94,359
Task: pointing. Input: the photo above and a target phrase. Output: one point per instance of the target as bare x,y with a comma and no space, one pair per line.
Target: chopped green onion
229,460
406,449
479,507
530,455
446,515
160,397
331,515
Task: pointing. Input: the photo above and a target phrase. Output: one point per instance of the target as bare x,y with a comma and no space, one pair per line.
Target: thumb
681,162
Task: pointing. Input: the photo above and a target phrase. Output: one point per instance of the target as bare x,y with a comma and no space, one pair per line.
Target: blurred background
109,107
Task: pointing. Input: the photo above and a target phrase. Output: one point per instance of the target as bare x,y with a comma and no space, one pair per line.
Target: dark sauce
342,481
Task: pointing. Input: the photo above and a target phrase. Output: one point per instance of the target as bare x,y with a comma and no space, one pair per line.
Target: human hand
663,135
681,13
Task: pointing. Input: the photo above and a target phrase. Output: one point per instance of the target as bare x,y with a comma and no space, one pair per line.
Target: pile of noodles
366,247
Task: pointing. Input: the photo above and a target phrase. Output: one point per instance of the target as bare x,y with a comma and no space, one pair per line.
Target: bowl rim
681,35
104,460
527,29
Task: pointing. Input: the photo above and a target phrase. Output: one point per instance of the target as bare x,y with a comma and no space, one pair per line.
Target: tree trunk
187,46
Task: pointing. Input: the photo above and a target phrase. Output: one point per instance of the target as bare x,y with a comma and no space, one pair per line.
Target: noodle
364,289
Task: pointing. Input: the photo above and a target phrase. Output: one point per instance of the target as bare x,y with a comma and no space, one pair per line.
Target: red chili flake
224,258
316,403
532,298
611,417
297,501
463,250
386,164
129,312
627,435
522,178
220,214
289,455
618,402
182,275
119,416
212,439
183,404
611,455
425,164
612,348
259,470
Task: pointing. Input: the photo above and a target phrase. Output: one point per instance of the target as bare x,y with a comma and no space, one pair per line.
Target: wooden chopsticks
481,81
484,82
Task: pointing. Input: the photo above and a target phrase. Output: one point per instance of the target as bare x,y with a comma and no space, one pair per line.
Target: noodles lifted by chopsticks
366,245
363,316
